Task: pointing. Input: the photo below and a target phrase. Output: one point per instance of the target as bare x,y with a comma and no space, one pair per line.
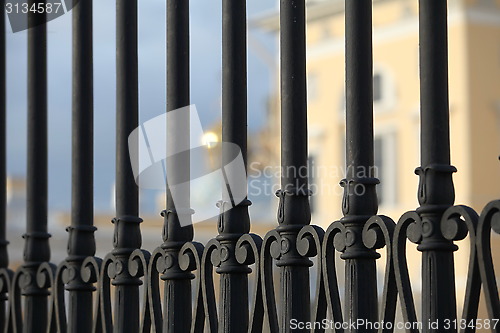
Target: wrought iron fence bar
293,94
436,191
127,194
434,82
360,198
233,223
294,210
4,255
234,81
177,310
37,248
81,241
127,234
4,258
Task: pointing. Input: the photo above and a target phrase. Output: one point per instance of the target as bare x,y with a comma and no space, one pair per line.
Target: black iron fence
171,289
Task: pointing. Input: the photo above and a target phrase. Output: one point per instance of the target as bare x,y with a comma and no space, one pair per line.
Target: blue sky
205,87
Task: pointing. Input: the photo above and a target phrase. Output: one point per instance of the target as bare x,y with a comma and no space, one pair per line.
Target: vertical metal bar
4,255
293,92
127,194
127,235
294,211
434,82
235,222
360,198
4,259
37,248
177,312
436,191
81,232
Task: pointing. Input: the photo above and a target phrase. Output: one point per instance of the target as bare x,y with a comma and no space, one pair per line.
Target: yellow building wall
484,110
474,90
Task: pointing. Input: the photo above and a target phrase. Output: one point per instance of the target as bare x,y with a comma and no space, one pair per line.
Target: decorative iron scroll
457,223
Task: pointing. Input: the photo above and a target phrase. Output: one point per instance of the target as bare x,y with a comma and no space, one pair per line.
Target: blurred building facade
474,72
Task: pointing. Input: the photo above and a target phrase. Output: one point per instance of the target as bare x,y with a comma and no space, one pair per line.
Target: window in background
312,179
385,168
312,86
377,88
384,90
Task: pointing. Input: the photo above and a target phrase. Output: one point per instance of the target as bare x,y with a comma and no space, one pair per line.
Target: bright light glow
210,139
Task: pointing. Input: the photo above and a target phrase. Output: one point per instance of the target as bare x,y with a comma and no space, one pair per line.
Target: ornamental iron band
85,293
